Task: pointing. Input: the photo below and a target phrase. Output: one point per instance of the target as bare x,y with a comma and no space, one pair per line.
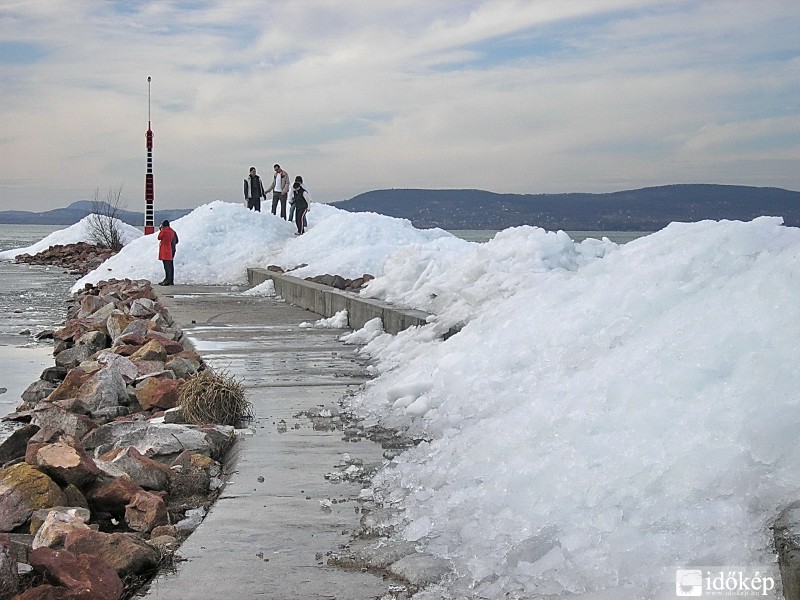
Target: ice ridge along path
269,531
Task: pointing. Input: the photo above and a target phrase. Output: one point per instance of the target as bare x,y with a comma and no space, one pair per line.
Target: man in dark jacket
253,190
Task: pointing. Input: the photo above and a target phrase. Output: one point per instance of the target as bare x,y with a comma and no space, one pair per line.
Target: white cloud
511,96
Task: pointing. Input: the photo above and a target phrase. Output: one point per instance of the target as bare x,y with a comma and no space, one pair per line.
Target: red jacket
165,236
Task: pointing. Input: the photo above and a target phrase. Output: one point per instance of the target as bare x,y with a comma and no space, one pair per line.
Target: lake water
32,299
618,237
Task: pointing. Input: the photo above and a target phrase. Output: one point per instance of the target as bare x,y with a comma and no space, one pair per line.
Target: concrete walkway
268,533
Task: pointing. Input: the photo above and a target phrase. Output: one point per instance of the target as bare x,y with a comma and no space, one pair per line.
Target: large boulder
54,374
73,356
75,328
57,524
13,446
94,340
146,472
67,462
24,489
153,439
121,364
134,332
69,387
145,511
89,305
117,322
152,350
155,392
51,416
105,389
183,368
167,341
78,572
125,553
112,495
143,308
38,391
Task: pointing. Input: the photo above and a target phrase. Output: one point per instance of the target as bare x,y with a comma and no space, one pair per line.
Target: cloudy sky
523,96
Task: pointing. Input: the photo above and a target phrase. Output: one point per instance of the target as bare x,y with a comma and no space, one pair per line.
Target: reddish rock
67,462
158,392
145,511
124,552
152,350
147,367
51,592
75,328
24,489
78,572
191,355
90,304
117,322
170,346
125,349
69,387
112,495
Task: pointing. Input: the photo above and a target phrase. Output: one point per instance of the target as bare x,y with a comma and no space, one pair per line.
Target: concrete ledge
327,301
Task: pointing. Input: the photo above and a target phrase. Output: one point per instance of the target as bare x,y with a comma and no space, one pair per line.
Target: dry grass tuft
209,397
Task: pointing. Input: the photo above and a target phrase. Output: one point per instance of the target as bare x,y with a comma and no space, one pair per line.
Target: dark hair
252,168
165,223
276,166
299,178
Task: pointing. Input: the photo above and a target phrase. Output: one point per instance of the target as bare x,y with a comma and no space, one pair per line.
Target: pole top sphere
148,79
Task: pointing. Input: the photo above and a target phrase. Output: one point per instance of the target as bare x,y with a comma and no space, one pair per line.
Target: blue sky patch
21,53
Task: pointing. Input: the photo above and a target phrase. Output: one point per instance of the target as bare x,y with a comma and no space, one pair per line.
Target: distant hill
647,209
77,210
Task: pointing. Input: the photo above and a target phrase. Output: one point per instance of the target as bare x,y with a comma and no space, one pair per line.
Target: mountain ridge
643,209
76,211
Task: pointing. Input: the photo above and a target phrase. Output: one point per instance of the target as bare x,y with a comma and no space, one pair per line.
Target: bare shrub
209,397
104,221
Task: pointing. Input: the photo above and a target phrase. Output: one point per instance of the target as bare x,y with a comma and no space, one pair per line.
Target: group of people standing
296,195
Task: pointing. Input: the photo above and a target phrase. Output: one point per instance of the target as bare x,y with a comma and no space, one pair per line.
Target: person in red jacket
166,251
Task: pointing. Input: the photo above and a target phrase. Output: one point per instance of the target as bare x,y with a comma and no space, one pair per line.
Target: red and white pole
149,224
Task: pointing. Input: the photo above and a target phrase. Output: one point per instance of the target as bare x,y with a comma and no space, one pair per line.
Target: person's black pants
169,272
254,204
276,196
299,216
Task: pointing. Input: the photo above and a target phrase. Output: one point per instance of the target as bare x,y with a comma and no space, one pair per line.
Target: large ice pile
593,428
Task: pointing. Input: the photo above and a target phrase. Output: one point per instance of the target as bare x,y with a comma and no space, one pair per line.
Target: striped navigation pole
149,225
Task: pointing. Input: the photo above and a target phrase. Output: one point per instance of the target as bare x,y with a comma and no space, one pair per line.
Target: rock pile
104,479
336,281
78,258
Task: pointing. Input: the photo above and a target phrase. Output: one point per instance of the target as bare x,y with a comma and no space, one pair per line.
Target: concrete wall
327,301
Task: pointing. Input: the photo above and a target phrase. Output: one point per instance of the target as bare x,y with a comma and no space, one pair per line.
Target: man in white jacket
279,189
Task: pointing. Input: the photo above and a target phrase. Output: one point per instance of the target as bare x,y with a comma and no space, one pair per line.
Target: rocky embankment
103,478
78,259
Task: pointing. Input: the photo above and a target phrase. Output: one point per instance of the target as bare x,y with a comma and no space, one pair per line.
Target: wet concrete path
268,534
